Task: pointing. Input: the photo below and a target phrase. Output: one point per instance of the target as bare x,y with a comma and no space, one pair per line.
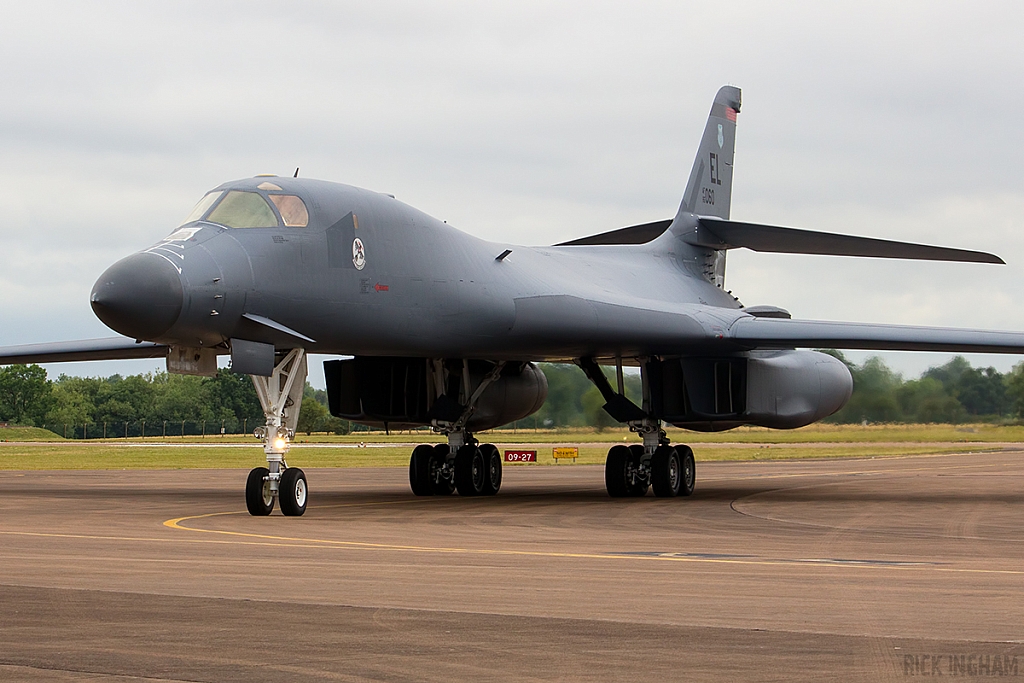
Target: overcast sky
524,122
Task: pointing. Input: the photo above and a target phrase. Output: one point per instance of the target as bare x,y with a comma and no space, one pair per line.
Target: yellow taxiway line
699,558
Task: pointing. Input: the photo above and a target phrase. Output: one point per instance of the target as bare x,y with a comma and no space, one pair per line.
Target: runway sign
565,452
520,456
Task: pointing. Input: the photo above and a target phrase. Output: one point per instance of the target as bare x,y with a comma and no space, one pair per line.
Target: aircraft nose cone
139,296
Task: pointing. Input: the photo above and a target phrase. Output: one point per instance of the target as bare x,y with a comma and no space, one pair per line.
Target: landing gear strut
630,470
463,464
280,397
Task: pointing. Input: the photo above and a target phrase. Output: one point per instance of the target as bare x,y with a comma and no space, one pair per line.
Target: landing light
280,443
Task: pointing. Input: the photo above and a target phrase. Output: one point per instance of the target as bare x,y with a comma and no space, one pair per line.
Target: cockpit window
243,210
201,208
293,210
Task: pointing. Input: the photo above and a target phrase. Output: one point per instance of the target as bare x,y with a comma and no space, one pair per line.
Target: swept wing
108,348
779,333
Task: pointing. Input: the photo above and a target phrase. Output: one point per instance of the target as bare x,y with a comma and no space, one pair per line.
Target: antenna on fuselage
296,172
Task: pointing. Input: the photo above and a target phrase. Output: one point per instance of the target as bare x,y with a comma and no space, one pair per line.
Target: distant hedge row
160,404
951,393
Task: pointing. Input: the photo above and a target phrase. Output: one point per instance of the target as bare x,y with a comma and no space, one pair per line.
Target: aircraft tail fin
709,190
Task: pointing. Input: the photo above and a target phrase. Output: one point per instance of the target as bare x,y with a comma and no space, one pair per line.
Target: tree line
154,404
158,404
951,393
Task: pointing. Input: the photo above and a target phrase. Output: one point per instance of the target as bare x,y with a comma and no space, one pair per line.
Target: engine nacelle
789,389
401,393
519,392
777,389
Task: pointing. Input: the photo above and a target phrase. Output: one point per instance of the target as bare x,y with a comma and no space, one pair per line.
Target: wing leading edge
782,333
108,348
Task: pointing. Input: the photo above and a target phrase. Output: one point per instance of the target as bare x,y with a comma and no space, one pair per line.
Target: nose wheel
259,499
293,492
280,396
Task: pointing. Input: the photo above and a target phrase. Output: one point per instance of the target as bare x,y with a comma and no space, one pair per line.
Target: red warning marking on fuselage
380,288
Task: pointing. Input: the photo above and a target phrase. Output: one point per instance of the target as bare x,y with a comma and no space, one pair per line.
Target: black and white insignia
358,254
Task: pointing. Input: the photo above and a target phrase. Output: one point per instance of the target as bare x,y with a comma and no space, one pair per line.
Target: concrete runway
847,570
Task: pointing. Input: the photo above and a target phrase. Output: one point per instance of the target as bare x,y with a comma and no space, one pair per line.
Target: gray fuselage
427,289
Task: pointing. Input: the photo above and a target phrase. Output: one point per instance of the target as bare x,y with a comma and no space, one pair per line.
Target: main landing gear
471,469
657,464
462,464
668,470
280,397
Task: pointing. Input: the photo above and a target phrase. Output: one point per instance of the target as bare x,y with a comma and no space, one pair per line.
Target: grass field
38,449
817,433
27,434
107,456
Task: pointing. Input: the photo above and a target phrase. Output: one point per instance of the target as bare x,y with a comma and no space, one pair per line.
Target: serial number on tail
707,195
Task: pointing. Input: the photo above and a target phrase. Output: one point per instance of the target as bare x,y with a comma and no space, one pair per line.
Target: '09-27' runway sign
520,456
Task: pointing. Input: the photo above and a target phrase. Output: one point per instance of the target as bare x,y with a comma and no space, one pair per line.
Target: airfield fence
153,428
168,429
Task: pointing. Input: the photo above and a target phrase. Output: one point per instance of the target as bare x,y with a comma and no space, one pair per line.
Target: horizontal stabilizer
716,233
779,333
108,348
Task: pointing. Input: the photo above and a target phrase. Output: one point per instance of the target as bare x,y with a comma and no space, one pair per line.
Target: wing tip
982,257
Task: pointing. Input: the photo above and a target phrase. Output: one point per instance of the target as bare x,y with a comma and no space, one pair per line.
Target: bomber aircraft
439,328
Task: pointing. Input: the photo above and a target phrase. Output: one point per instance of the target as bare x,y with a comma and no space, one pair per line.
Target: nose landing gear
280,397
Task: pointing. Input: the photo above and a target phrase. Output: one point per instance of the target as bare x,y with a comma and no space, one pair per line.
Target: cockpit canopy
251,209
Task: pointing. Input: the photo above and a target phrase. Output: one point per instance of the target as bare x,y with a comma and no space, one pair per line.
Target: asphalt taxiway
868,569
